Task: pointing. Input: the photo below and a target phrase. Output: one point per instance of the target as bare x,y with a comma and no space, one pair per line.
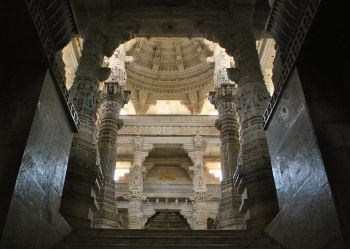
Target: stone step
135,233
133,239
89,246
168,240
167,221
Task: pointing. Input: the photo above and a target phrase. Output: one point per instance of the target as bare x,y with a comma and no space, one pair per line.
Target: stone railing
292,44
167,188
50,45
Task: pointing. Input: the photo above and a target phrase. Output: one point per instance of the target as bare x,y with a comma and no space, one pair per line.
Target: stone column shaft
223,99
253,177
113,99
135,192
85,95
78,200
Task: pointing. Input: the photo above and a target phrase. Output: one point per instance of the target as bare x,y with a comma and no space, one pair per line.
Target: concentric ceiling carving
169,69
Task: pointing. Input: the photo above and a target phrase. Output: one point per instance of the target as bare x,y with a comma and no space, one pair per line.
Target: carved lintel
112,91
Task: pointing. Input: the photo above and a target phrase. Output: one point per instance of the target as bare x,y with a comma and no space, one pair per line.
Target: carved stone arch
145,217
113,41
148,166
186,167
188,216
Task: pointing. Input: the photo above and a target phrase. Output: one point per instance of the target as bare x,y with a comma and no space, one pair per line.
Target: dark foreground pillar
35,130
308,135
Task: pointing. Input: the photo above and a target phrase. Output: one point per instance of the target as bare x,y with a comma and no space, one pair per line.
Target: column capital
135,196
141,151
138,143
115,92
200,195
252,100
224,93
199,143
195,151
224,99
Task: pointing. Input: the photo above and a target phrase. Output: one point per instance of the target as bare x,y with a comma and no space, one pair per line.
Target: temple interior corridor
174,124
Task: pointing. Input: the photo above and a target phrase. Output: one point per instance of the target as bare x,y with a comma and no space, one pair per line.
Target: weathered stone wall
33,220
307,211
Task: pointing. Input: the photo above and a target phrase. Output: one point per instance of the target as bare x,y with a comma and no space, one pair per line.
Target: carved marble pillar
223,98
200,214
135,191
113,99
78,200
253,177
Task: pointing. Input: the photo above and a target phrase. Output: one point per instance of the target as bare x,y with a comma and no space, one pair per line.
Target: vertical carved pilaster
223,98
253,177
78,200
135,190
113,99
200,212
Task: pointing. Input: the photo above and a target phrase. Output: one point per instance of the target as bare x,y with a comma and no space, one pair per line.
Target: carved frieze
168,125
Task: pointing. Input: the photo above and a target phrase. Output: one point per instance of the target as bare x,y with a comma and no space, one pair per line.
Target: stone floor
133,239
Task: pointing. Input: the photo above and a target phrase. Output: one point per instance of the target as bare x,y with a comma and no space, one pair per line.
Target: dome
169,69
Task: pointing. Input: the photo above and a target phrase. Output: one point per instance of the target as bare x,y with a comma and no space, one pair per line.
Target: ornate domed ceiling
169,69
